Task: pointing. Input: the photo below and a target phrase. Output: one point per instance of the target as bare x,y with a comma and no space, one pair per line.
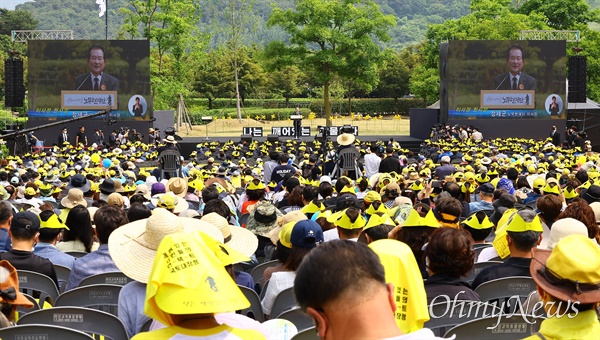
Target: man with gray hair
445,169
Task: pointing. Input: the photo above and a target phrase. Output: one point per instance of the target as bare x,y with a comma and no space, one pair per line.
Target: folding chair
77,254
263,289
300,319
258,271
101,297
255,306
243,219
477,267
283,301
307,334
82,319
447,314
46,332
477,248
22,310
169,163
62,273
347,162
194,205
146,326
504,289
505,327
111,278
35,284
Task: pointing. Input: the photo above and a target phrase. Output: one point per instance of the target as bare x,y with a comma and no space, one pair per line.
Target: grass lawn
233,127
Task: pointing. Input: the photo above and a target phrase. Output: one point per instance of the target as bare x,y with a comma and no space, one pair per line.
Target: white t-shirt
372,164
330,235
279,282
487,254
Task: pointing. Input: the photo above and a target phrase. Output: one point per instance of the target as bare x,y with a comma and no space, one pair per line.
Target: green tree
394,76
214,77
176,45
561,14
80,16
332,38
425,83
288,82
16,20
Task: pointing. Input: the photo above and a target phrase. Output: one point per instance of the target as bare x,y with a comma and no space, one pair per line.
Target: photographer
153,136
123,135
113,140
99,137
134,136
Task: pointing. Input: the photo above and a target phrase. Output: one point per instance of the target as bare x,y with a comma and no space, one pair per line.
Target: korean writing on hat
179,257
401,296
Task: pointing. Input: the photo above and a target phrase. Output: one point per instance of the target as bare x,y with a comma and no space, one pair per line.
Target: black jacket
441,284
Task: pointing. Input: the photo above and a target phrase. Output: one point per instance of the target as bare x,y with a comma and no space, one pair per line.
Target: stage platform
188,144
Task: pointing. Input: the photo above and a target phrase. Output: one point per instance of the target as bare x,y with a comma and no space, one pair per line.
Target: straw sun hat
74,197
345,139
570,271
238,238
133,246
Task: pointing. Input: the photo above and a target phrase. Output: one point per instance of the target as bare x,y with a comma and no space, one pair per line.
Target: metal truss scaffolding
569,36
23,36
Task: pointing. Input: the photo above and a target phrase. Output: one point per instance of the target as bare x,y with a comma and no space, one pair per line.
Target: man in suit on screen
97,79
514,79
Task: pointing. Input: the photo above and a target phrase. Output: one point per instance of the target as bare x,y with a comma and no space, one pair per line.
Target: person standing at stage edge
555,135
81,138
63,137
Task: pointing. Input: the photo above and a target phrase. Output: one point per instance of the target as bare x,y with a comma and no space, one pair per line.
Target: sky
10,4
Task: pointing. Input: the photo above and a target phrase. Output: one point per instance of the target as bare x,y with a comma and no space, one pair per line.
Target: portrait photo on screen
74,78
506,79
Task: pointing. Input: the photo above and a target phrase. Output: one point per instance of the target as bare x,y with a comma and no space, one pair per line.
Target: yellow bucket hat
285,234
573,262
372,196
188,278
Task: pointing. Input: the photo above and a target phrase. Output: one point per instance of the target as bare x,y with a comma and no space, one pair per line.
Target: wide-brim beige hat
143,189
133,246
74,197
345,139
292,216
179,207
178,186
239,239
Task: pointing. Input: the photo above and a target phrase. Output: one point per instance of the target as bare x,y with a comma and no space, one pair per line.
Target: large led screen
507,79
74,78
